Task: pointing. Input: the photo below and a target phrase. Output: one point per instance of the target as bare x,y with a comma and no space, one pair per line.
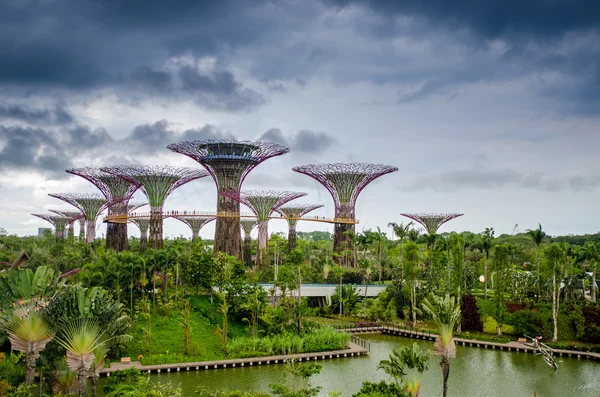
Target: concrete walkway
354,350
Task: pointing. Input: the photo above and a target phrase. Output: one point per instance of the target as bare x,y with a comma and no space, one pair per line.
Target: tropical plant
592,254
406,361
412,272
445,312
29,333
24,283
485,243
537,236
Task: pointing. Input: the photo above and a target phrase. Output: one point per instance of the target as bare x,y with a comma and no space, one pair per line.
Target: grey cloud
153,138
452,181
304,141
46,151
58,115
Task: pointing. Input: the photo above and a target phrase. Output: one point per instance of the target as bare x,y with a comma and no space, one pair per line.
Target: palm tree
414,235
81,338
537,236
412,271
410,358
29,333
446,313
556,255
592,255
401,231
485,243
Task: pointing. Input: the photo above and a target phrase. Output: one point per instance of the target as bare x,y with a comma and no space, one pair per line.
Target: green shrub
507,329
490,326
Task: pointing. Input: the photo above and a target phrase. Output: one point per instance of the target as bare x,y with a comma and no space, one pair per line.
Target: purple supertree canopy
263,202
158,181
345,181
432,222
247,224
89,204
293,212
131,207
58,221
112,187
72,215
228,161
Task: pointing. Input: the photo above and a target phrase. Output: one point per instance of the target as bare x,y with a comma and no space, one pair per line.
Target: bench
521,340
125,359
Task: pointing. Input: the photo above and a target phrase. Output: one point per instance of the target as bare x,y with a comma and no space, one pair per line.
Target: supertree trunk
341,239
292,238
71,229
227,229
116,233
91,232
248,250
262,253
143,241
82,229
60,232
156,228
194,235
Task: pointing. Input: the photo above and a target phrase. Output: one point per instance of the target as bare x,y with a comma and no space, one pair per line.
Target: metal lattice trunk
82,229
228,162
247,226
263,203
143,223
344,181
58,221
157,183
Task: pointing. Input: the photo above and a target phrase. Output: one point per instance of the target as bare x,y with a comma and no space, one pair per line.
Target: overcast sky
488,108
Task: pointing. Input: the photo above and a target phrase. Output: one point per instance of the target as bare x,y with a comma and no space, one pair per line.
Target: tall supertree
73,216
91,205
195,222
228,162
58,221
142,222
432,222
247,225
292,214
263,203
157,182
344,181
117,192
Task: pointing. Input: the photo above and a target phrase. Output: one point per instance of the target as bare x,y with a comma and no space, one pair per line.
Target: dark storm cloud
304,141
150,139
58,115
47,152
452,181
121,45
495,18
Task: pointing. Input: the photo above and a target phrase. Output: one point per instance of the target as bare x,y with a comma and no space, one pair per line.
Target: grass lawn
167,335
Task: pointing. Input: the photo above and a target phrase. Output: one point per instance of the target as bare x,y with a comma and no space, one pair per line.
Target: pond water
475,372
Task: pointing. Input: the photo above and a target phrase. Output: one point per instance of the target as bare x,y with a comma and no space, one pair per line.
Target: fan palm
537,236
81,338
29,333
408,360
445,312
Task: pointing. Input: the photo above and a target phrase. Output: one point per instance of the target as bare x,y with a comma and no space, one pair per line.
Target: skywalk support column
228,162
157,183
344,181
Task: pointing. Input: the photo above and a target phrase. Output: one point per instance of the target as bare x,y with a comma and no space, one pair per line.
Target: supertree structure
344,181
91,205
117,192
73,216
58,221
195,222
228,162
131,207
292,214
157,182
247,225
432,222
142,223
262,203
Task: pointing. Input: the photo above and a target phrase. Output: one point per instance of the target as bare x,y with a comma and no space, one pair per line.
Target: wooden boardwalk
510,346
356,348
